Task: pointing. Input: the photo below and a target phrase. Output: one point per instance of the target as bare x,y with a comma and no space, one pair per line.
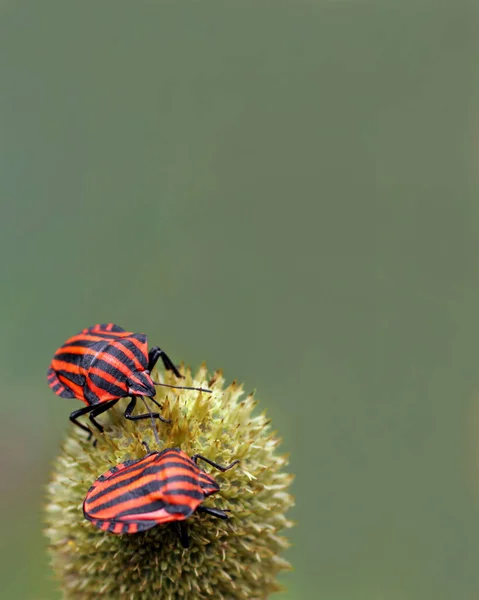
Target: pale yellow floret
236,559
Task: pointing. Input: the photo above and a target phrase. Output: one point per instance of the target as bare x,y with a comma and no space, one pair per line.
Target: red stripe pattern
100,364
136,495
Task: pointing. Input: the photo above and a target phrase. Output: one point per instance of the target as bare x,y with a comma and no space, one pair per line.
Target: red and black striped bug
104,363
162,487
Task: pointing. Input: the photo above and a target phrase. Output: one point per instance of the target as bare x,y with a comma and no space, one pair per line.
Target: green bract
234,559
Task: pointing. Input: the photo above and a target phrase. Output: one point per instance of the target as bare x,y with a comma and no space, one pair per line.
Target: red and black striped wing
57,386
71,363
103,328
127,347
160,488
118,368
95,364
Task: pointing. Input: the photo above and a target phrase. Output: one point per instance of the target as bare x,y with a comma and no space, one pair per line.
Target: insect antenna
183,387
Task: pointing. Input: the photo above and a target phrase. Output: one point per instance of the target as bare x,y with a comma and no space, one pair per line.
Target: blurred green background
288,190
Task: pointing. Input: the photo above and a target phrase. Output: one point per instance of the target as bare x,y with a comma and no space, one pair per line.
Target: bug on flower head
162,487
104,363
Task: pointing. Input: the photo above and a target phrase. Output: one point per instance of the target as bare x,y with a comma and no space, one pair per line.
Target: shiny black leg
196,457
79,413
97,410
131,406
214,512
157,353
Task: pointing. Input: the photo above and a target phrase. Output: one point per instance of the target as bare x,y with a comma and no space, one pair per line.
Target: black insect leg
78,413
214,512
129,409
196,457
155,402
154,354
153,360
97,410
182,529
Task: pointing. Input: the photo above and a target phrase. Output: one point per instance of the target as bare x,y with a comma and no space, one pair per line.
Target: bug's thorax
178,482
204,482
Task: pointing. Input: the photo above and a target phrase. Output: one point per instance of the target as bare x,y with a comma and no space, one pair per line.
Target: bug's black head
208,484
140,384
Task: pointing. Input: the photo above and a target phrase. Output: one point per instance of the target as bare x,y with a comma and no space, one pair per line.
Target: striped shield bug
104,363
162,487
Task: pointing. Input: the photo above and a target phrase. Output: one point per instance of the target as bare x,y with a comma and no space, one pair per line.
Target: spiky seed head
237,559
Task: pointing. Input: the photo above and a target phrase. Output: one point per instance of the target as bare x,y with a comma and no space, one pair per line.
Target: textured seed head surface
237,559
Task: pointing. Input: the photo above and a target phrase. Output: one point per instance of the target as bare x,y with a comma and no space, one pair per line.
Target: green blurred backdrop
288,190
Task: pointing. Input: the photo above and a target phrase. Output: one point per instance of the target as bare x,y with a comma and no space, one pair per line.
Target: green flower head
234,559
